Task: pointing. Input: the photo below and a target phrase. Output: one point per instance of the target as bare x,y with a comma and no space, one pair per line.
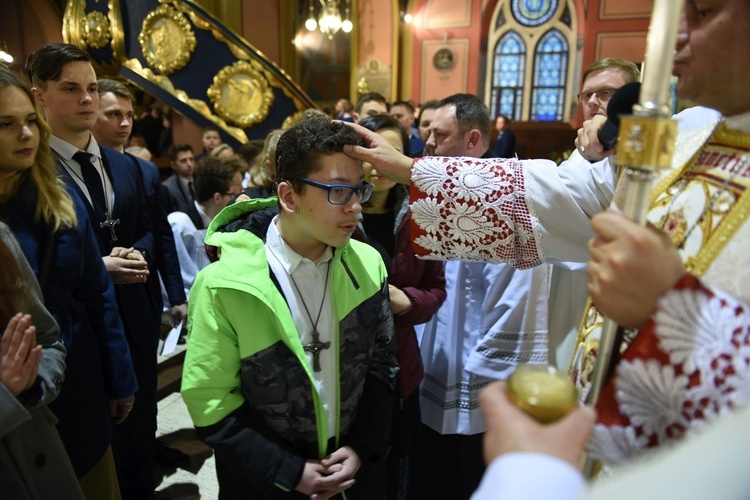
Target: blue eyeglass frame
363,191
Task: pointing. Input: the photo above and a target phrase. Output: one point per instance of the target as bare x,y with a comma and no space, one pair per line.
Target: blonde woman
54,232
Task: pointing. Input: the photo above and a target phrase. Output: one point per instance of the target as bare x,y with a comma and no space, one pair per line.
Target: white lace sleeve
505,210
685,369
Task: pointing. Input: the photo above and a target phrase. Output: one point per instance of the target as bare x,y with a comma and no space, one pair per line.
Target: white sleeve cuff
530,476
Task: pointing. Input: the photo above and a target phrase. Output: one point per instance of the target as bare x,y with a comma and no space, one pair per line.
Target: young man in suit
111,185
112,129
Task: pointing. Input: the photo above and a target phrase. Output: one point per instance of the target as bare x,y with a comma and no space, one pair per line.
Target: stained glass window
508,76
550,75
533,12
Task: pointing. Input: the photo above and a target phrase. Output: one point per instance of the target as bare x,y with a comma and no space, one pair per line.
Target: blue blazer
80,295
138,310
167,262
505,145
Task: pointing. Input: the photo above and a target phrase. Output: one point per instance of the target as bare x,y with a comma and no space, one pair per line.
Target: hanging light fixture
347,25
329,20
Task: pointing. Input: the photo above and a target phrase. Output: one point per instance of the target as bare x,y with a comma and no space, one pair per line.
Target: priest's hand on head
510,430
381,155
630,268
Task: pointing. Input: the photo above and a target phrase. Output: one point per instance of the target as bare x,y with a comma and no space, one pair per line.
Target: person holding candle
528,212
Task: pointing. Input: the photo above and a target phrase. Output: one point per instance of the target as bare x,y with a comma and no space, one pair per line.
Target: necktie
93,181
192,190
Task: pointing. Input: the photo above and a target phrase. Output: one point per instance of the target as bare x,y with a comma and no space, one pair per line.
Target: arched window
508,76
531,73
550,76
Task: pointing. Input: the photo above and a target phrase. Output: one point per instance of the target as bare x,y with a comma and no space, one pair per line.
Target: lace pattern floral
474,210
701,370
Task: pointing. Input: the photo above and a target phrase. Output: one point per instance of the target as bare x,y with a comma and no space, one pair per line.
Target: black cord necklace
315,347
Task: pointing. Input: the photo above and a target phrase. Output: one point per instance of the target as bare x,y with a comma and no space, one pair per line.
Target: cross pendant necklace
110,224
315,347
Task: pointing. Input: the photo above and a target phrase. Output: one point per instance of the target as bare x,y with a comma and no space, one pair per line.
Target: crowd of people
324,357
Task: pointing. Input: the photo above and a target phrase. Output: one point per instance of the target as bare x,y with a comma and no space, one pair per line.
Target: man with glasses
568,291
601,80
290,370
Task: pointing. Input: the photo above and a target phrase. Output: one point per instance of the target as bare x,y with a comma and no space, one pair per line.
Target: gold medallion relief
95,29
241,94
167,39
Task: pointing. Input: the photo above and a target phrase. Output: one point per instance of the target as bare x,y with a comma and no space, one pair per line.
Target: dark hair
431,104
250,150
370,96
117,88
408,105
471,113
210,128
378,122
213,175
179,147
46,64
301,146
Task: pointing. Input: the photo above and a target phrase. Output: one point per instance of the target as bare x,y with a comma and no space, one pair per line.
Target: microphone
621,103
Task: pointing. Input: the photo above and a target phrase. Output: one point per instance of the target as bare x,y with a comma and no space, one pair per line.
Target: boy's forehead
336,166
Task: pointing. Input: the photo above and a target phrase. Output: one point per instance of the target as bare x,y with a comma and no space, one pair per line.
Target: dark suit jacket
505,145
165,261
137,308
179,201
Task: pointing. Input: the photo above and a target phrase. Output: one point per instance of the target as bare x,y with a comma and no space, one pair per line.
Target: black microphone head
621,103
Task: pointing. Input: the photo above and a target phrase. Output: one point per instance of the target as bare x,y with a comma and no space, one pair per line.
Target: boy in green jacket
290,369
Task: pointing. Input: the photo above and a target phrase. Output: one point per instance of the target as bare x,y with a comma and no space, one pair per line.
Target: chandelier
329,19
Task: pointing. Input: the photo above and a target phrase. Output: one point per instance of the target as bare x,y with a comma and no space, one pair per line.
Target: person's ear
475,138
38,96
217,197
287,197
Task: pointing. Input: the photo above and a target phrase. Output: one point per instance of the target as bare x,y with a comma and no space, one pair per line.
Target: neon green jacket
246,380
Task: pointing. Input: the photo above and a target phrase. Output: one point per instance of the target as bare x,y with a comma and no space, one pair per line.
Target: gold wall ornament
241,94
95,30
167,39
196,105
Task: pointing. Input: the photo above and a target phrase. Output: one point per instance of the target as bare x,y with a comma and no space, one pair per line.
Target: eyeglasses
602,94
340,194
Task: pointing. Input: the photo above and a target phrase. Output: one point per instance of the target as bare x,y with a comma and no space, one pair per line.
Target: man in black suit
111,186
179,187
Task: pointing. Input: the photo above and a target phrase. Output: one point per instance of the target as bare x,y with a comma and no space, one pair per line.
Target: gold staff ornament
167,39
241,94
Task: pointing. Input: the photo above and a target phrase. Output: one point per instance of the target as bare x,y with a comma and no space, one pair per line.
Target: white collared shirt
310,278
205,218
65,152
